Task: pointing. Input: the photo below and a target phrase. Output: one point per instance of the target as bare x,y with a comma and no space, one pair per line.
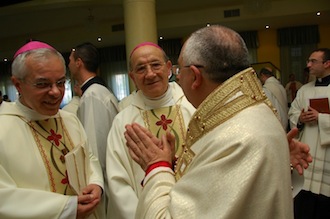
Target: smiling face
42,89
150,70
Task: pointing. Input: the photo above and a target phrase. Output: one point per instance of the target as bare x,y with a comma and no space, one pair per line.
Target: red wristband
158,164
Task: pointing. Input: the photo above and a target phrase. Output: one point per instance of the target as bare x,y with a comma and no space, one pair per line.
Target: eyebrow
47,79
145,63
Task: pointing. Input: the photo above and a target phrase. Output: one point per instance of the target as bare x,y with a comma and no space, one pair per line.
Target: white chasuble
170,112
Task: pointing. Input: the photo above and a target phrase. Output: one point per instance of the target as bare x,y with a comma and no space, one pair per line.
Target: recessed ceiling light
208,24
318,13
99,39
5,59
161,38
267,26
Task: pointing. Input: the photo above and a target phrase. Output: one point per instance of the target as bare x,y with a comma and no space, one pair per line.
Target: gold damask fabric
235,171
234,95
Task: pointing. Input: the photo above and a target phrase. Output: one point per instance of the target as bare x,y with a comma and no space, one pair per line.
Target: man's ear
327,64
131,75
198,78
79,62
169,67
17,83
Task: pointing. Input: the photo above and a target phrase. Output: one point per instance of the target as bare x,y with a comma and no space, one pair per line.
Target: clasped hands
88,200
146,149
308,116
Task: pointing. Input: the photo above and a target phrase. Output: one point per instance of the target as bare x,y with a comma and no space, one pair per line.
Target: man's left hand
299,152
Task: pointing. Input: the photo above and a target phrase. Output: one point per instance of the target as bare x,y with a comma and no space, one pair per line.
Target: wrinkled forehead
146,54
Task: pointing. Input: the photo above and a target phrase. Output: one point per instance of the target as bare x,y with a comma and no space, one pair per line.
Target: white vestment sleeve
70,209
28,203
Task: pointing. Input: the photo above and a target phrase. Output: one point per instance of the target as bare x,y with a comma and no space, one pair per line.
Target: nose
55,90
149,71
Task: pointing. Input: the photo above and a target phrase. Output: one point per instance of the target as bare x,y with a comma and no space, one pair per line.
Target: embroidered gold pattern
237,93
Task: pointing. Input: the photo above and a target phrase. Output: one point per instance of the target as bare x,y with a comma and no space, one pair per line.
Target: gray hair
220,50
19,68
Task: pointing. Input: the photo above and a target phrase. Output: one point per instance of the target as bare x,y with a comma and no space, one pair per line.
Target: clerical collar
164,100
31,114
323,81
94,80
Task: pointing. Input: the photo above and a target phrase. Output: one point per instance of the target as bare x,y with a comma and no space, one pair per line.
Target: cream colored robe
97,109
24,185
73,105
126,101
240,164
317,136
124,175
277,95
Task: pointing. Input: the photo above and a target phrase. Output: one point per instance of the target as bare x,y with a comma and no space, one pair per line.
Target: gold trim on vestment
234,95
53,142
166,119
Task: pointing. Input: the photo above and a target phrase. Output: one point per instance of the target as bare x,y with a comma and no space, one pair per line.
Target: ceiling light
161,38
99,39
318,13
267,26
208,24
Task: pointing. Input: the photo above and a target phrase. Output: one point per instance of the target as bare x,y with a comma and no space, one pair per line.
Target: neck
84,76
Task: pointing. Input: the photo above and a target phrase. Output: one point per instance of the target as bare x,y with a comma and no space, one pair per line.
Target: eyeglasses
44,84
314,61
154,66
176,68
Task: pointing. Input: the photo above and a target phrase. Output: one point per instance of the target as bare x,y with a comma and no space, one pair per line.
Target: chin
49,112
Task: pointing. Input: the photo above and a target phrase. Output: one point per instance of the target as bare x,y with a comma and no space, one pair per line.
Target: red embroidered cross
164,122
54,137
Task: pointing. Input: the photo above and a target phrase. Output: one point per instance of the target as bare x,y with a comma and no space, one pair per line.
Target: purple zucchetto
145,44
33,45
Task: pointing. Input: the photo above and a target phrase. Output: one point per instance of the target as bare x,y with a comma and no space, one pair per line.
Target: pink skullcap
33,45
145,44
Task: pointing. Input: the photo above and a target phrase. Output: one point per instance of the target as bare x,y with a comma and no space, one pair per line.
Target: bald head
146,44
220,50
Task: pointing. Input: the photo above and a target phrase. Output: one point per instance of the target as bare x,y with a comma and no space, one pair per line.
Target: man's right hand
145,149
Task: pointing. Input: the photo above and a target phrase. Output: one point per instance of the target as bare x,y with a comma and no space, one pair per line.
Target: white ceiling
66,23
